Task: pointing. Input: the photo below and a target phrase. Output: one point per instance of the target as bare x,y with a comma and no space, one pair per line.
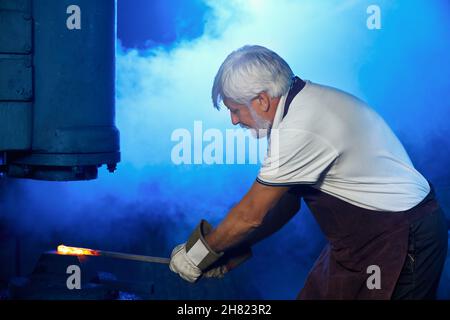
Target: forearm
236,227
275,219
245,217
240,226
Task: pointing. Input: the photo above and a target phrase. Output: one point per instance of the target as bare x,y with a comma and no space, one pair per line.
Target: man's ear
263,101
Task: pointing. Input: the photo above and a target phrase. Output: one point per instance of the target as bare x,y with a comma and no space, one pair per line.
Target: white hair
247,72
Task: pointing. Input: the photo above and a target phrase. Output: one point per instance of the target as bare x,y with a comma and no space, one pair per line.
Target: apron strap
296,86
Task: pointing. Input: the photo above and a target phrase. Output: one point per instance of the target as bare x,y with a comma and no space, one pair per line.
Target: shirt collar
279,113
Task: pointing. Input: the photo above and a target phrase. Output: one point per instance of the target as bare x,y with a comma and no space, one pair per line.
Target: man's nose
234,119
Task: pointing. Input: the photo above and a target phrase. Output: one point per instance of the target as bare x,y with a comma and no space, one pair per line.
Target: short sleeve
295,157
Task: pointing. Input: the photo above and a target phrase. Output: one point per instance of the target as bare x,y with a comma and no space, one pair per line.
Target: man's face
252,116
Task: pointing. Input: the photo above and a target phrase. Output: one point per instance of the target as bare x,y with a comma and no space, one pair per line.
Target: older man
377,211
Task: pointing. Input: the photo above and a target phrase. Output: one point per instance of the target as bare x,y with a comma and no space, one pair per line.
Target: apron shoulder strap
296,86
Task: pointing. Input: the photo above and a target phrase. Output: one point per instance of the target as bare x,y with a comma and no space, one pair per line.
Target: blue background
167,55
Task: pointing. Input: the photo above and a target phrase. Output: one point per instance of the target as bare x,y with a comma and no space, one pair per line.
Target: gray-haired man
333,150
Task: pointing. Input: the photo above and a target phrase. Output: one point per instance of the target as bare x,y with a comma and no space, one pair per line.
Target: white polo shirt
336,142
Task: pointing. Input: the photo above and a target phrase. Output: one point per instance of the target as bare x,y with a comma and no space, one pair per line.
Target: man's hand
229,261
182,265
191,258
262,211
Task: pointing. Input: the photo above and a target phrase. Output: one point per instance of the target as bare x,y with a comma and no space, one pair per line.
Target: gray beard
263,126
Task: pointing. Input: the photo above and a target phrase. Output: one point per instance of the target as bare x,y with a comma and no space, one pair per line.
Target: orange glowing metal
74,251
62,249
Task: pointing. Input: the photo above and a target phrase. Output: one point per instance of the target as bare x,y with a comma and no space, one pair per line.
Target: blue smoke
149,205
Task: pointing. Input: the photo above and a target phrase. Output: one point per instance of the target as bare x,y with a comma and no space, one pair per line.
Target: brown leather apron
358,238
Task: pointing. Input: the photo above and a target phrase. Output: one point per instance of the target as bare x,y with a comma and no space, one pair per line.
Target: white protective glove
190,259
181,264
